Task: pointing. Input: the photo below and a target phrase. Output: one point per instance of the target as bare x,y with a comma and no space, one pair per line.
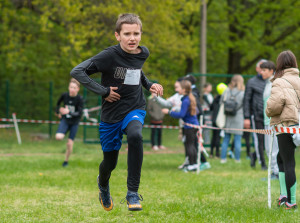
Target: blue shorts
64,127
111,134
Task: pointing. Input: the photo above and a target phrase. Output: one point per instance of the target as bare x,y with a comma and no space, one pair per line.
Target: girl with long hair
282,108
188,113
235,90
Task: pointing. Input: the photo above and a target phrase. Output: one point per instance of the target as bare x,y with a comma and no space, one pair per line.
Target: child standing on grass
282,108
123,105
267,71
188,113
70,115
156,119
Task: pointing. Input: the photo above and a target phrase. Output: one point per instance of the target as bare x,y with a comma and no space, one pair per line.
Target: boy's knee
135,137
59,136
110,166
70,143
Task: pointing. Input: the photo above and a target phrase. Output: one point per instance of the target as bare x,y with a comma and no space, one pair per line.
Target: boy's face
266,73
129,38
73,89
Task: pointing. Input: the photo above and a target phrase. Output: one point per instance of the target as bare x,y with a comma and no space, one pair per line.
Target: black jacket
214,107
197,96
253,98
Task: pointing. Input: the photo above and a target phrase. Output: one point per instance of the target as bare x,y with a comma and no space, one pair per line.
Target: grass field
35,188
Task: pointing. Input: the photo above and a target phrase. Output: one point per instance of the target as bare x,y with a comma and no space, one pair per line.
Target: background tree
42,41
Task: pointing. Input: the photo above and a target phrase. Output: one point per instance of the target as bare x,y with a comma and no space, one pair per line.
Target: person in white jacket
267,71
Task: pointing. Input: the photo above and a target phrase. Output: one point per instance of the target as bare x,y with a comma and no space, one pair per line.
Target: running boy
70,115
123,105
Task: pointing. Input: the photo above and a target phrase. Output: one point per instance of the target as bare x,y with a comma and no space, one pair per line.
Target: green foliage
44,40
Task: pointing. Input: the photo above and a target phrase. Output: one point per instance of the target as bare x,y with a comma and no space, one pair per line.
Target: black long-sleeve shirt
119,69
74,104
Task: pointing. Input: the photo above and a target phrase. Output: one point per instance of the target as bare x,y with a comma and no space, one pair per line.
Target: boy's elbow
73,72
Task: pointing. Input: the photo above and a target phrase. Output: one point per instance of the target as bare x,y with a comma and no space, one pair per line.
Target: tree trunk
189,65
234,62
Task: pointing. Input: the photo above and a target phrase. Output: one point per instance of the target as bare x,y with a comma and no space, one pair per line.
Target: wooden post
203,44
17,128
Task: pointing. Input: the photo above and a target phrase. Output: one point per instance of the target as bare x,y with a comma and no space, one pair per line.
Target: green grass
35,188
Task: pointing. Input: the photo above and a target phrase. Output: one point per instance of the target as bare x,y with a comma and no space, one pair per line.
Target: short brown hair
127,18
268,65
73,80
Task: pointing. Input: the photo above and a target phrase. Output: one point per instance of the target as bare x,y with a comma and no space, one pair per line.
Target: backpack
231,105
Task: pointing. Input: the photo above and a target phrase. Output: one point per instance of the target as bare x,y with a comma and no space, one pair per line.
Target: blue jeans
237,146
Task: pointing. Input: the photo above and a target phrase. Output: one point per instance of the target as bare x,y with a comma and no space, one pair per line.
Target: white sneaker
223,161
185,163
162,147
205,166
192,167
155,148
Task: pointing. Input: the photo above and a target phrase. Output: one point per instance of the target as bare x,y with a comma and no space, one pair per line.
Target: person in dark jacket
254,113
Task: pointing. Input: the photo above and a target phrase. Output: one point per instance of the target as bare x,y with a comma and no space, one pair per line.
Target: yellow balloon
221,88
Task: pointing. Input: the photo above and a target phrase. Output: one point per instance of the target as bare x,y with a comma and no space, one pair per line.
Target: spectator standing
156,119
174,103
235,89
267,71
254,114
187,113
196,93
207,102
215,141
283,109
204,164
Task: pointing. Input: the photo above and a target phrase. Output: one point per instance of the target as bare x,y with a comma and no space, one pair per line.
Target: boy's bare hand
64,111
113,96
157,89
58,115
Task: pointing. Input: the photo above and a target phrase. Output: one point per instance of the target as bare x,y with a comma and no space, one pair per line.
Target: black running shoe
281,201
104,197
133,201
289,206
